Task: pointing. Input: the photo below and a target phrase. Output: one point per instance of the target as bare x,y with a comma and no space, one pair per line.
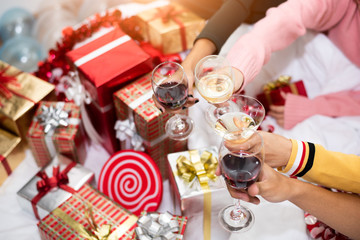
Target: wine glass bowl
170,87
246,112
241,155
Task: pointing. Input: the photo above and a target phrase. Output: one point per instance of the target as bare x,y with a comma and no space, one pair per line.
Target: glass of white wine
215,82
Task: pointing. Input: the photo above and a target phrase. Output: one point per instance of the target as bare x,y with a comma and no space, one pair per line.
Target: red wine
240,172
171,95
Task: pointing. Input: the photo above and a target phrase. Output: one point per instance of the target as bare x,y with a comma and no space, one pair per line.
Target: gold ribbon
95,232
203,167
282,81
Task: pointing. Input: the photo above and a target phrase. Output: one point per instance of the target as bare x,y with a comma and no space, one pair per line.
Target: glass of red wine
241,155
170,86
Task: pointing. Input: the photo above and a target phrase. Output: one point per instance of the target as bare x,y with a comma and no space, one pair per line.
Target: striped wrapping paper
69,221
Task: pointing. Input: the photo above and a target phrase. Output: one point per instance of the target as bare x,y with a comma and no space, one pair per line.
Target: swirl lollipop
133,180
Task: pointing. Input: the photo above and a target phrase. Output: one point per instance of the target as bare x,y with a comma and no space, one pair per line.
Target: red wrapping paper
105,64
76,221
69,141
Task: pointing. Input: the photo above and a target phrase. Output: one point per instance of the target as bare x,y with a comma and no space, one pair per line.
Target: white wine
215,88
233,121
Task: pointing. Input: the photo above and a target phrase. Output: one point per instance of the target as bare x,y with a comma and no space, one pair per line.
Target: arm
340,211
293,17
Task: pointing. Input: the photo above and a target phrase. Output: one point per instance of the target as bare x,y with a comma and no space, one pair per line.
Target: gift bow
203,168
282,81
46,184
5,81
126,130
53,117
95,232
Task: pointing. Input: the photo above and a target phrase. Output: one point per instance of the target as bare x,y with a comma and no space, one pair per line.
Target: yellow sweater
331,169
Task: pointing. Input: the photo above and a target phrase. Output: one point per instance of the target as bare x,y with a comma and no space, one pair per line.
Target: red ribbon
45,184
168,13
6,165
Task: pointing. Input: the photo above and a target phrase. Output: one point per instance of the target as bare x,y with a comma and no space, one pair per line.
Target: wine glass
170,86
215,82
241,155
246,112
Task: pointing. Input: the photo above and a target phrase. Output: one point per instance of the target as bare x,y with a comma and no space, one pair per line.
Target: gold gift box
11,154
161,27
17,112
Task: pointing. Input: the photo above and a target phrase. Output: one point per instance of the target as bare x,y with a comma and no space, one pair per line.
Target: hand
272,186
277,111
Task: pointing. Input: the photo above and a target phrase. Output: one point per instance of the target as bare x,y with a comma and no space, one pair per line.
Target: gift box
19,93
142,122
52,185
171,28
153,225
11,154
57,128
88,214
105,62
271,94
198,192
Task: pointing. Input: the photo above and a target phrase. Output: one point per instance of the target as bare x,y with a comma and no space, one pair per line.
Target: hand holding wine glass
241,156
169,83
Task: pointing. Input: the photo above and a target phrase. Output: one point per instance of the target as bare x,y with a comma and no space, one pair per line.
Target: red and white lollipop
133,180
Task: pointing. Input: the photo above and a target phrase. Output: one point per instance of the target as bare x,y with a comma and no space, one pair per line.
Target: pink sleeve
298,108
282,26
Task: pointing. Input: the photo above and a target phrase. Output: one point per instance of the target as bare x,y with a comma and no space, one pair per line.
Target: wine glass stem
236,214
179,123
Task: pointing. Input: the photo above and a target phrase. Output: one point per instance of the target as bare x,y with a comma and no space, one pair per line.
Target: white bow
126,132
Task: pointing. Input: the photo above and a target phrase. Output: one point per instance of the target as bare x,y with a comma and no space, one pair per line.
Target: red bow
46,184
6,80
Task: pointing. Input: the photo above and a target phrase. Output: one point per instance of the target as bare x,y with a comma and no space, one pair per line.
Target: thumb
254,189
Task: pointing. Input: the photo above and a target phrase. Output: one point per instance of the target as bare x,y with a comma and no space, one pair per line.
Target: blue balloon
22,52
14,22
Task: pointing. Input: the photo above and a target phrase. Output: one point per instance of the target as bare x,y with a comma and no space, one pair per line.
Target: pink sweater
281,27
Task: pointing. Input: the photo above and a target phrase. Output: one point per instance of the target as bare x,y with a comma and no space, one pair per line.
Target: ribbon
5,81
76,92
46,184
95,232
282,81
168,13
5,164
126,133
155,225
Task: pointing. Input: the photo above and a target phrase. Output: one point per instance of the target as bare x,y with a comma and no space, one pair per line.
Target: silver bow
53,117
73,89
126,131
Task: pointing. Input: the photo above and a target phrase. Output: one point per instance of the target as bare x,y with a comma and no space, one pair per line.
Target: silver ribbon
127,134
75,91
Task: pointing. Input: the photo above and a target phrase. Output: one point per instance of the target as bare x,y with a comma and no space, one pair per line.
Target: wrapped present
153,225
170,28
132,168
11,154
88,214
197,190
271,94
105,62
52,185
141,122
57,128
19,93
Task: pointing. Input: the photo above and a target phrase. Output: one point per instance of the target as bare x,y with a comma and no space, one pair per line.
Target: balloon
14,22
22,52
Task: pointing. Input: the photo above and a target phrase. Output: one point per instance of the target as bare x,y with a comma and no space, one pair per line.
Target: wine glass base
242,224
179,127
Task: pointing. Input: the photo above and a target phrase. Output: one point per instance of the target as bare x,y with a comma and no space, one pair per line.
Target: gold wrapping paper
17,112
11,151
166,36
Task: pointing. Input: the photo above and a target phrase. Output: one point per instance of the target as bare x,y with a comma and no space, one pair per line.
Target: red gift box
272,91
87,214
68,138
105,63
134,101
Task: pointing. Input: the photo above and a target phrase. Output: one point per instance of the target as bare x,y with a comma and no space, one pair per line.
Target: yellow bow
282,81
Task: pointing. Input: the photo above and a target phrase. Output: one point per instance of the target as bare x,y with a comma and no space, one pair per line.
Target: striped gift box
71,220
68,141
